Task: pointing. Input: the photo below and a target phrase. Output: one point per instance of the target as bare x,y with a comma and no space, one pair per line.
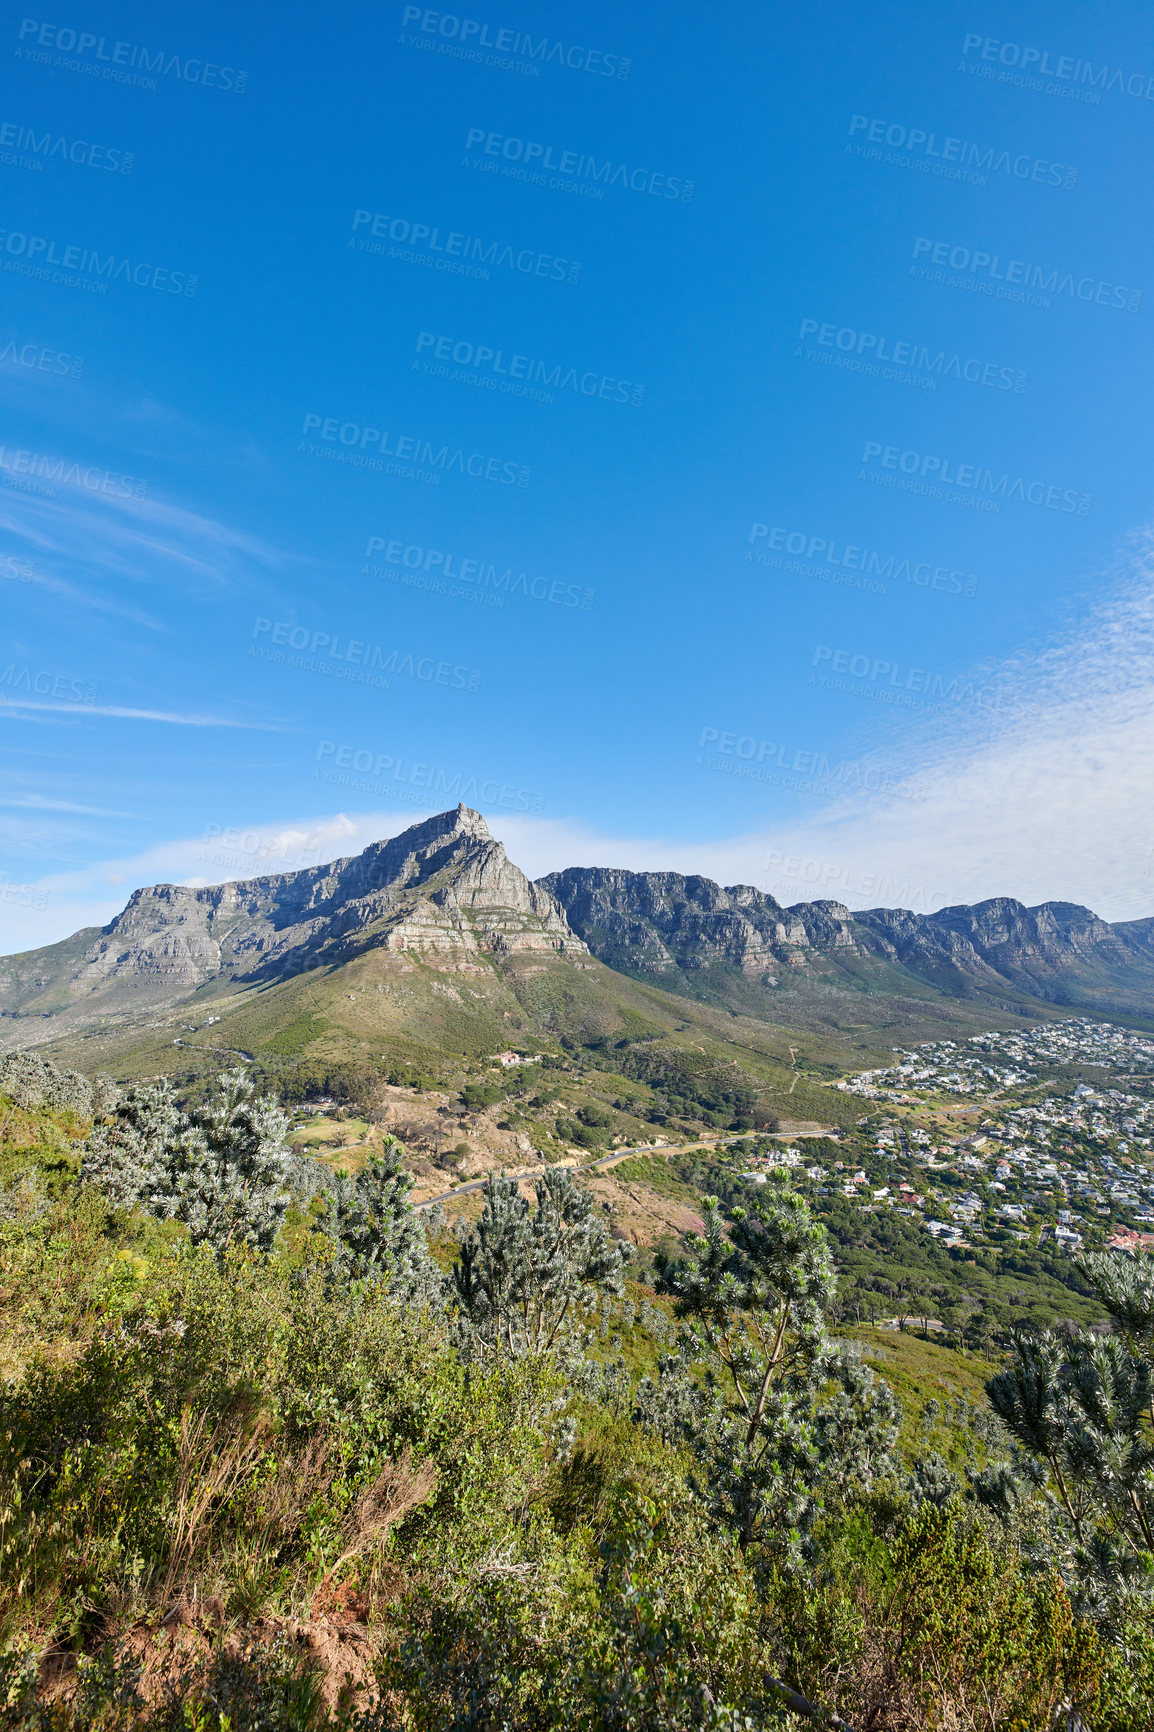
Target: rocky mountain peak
444,888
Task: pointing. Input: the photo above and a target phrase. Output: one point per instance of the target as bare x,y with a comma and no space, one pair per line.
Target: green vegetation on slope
524,1495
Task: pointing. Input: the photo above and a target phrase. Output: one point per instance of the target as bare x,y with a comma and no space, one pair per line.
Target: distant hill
433,949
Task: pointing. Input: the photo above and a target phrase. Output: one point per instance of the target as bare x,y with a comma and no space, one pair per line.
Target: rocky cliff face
1057,951
442,887
662,923
675,928
445,888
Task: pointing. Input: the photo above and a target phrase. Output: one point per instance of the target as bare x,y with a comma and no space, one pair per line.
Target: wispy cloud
114,554
123,713
40,803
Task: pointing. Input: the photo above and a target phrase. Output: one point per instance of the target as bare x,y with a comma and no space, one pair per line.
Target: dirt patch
433,1125
178,1656
640,1215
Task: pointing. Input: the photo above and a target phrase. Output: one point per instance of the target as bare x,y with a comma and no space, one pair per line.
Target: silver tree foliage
1080,1412
777,1415
30,1081
375,1234
224,1169
526,1275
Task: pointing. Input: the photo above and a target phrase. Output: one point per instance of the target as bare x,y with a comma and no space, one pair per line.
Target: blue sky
714,439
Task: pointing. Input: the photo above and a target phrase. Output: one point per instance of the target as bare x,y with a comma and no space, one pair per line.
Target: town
1049,1158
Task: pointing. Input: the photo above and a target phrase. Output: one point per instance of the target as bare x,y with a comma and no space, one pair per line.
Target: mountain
420,959
431,949
694,936
665,925
1058,951
444,887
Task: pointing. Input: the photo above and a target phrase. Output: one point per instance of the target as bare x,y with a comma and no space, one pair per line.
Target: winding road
611,1160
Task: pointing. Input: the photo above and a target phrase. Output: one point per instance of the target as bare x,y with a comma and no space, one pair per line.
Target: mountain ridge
671,925
445,893
443,886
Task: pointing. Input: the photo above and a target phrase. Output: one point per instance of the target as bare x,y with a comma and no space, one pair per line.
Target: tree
224,1169
374,1232
955,1314
1081,1409
523,1276
775,1413
131,1158
30,1082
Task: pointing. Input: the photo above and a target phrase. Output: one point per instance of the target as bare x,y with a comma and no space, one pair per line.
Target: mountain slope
1057,951
431,949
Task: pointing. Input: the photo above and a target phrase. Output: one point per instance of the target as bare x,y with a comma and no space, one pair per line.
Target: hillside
423,1475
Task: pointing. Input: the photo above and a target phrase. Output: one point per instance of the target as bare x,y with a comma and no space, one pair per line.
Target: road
591,1167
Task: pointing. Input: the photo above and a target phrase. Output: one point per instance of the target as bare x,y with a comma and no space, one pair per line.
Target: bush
476,1096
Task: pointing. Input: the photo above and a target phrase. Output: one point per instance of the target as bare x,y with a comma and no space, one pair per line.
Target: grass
919,1371
660,1176
322,1131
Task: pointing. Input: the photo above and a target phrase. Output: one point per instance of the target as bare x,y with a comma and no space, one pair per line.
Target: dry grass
213,1465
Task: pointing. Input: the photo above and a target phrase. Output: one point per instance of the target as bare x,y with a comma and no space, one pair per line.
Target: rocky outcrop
1058,951
442,887
676,928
